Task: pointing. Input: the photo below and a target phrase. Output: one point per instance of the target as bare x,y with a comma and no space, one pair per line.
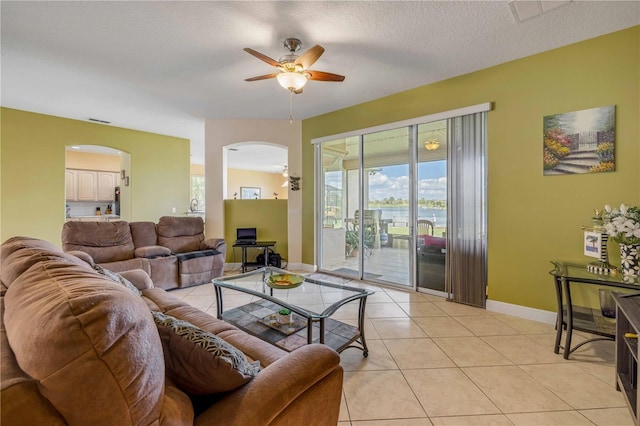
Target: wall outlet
173,209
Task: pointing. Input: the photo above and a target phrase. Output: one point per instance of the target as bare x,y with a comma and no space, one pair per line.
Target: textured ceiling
165,67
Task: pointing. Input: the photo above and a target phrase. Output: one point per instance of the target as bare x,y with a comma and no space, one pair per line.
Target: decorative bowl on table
284,281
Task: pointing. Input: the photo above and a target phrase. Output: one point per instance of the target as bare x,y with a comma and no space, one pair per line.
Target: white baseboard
301,267
525,312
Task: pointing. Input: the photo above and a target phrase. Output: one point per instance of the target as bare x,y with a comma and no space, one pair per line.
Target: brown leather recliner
175,252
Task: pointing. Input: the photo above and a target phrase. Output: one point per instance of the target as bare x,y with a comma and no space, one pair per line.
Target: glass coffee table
311,301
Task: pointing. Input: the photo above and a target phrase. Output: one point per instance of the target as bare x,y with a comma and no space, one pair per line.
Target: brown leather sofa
174,252
80,349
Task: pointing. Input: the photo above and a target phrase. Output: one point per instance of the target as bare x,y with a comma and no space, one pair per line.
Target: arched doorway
261,168
97,183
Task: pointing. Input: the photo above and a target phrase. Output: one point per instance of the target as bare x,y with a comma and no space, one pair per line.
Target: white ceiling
166,67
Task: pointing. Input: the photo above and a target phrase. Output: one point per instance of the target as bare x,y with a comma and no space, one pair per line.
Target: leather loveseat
81,349
174,252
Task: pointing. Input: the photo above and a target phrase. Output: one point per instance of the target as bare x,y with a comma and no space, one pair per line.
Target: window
197,193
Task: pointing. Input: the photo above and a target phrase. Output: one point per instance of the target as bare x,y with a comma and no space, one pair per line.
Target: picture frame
579,142
592,244
250,193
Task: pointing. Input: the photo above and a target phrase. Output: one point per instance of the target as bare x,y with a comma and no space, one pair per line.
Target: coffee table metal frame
266,293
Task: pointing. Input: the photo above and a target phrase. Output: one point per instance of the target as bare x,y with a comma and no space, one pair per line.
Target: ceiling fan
293,70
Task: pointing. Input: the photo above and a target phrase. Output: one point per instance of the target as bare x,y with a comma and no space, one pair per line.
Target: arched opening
256,170
97,183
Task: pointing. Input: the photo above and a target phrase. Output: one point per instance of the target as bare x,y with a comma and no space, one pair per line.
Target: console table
627,329
580,318
258,244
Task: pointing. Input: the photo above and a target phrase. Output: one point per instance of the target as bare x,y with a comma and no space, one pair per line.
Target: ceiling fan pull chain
291,106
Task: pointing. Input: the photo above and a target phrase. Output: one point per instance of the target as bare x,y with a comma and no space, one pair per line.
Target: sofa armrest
152,251
212,243
138,278
305,382
82,256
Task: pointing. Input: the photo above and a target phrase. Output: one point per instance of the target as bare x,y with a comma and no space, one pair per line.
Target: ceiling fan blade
309,57
261,77
324,76
262,57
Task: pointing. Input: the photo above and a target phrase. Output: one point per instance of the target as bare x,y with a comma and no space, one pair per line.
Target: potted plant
352,242
285,316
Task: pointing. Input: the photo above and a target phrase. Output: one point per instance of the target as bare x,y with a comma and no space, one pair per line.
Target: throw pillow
117,278
199,362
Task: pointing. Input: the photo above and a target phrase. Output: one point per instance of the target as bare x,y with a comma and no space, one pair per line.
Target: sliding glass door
431,212
386,206
405,204
366,189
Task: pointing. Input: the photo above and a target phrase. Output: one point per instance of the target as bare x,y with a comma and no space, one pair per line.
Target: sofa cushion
103,363
104,241
180,234
143,233
199,362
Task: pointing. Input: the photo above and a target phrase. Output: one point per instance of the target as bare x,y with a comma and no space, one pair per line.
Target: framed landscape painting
579,141
249,193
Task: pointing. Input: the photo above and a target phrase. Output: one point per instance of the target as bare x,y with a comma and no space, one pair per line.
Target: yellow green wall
531,218
33,163
270,224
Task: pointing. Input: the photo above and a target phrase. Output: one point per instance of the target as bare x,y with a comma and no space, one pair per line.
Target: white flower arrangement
623,224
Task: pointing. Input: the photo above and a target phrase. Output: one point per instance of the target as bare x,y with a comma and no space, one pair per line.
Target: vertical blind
466,263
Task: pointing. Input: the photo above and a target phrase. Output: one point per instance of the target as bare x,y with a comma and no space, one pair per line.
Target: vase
285,319
629,259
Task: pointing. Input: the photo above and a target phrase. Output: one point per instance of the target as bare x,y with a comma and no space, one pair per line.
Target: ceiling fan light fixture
291,80
285,172
432,145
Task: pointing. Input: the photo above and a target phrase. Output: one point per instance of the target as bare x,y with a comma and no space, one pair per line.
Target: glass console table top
579,273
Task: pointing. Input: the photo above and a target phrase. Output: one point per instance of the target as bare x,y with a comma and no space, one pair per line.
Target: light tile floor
433,362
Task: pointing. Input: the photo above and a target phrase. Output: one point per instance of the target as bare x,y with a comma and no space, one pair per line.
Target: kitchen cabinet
87,185
70,185
90,185
106,185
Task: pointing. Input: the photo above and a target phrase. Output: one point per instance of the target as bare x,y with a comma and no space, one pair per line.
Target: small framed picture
592,244
249,193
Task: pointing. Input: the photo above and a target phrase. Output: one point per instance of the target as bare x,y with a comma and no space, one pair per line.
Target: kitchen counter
94,218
